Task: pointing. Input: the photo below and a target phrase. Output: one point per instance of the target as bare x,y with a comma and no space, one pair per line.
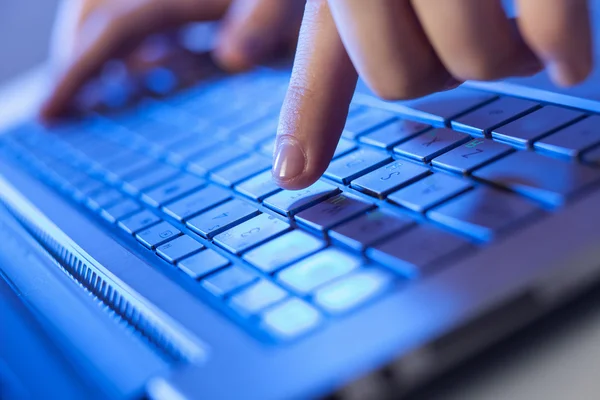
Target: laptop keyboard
188,179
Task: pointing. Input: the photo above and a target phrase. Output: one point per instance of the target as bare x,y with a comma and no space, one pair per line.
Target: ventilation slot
171,343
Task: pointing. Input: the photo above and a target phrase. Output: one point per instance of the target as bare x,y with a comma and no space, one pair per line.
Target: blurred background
25,27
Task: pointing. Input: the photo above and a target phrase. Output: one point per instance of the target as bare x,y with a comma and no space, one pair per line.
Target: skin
402,49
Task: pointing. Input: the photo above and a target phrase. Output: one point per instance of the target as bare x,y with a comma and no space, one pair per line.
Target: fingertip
229,56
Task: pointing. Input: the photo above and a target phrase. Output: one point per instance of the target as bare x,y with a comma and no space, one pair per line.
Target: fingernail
289,160
564,74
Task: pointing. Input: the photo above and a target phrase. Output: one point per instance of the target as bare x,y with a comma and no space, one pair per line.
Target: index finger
316,105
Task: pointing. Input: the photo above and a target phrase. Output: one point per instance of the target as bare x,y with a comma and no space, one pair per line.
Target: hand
91,32
409,48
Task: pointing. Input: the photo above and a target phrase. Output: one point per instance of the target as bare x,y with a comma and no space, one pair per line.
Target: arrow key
471,155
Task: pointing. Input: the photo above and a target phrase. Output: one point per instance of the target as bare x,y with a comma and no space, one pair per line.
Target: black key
431,144
241,170
231,279
196,202
290,202
120,210
429,192
203,263
484,213
259,187
139,221
482,120
417,251
355,164
547,180
366,121
389,178
471,155
573,140
526,130
216,159
251,233
103,199
393,134
157,235
151,178
333,211
440,108
283,251
222,217
172,190
370,228
175,250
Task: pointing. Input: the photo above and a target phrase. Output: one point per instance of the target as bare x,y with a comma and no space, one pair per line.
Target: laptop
146,253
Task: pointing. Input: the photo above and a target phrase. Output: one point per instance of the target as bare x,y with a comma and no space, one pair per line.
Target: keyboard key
283,251
366,121
241,170
483,213
203,263
257,297
353,290
172,190
152,177
355,164
291,318
395,133
431,144
228,280
389,178
196,202
139,221
440,108
215,159
592,156
429,192
103,198
471,155
573,140
256,133
344,147
120,210
251,233
267,147
290,202
480,121
221,218
547,180
526,130
314,271
369,228
187,149
415,252
175,250
129,166
259,187
157,235
333,211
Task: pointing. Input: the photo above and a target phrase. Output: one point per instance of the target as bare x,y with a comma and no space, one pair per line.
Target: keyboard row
202,199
